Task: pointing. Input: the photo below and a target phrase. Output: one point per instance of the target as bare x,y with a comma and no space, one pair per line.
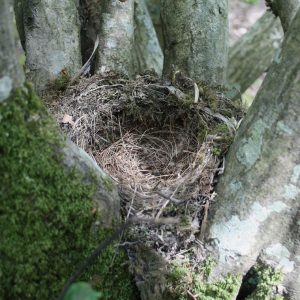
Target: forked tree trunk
116,35
258,205
52,39
253,53
11,74
196,38
147,48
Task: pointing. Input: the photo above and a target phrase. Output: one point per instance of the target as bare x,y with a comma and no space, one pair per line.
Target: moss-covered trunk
257,210
253,53
52,39
196,38
55,202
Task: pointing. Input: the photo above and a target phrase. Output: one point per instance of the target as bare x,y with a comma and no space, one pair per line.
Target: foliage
264,278
46,214
82,291
183,283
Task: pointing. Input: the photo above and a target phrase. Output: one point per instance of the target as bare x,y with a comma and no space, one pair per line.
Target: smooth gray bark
258,205
286,10
147,48
196,38
11,74
154,10
52,39
253,53
116,35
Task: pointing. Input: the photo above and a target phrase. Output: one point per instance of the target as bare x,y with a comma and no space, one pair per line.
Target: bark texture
154,10
257,210
286,10
52,33
253,53
11,74
106,194
116,35
196,38
147,48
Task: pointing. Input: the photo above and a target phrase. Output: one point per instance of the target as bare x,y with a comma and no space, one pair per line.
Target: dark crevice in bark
87,35
249,284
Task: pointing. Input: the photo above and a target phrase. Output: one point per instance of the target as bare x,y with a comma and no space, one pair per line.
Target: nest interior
162,142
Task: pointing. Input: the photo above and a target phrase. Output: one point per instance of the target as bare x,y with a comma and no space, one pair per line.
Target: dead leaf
67,119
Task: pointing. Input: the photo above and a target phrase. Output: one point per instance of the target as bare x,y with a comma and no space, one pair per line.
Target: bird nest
163,143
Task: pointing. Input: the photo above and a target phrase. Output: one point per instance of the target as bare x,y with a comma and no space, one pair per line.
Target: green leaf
82,291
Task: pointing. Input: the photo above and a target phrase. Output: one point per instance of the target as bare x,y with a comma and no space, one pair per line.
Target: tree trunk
196,38
286,10
154,10
147,49
55,201
253,53
116,35
52,31
11,74
257,210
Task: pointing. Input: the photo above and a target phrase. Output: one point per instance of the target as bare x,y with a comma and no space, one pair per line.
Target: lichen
250,149
46,211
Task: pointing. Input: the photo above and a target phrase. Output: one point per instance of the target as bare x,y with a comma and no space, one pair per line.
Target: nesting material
161,142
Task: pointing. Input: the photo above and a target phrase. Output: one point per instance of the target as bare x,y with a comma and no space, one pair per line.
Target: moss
46,217
184,282
61,82
108,183
222,144
263,279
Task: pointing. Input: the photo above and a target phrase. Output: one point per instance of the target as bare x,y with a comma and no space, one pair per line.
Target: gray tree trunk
11,74
196,38
147,48
286,10
258,205
52,39
116,34
253,53
154,10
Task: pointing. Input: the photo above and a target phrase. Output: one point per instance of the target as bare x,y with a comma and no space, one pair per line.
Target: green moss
46,218
183,280
60,83
224,140
263,279
108,183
